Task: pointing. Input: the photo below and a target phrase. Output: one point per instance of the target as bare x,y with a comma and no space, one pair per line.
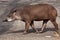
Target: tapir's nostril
5,20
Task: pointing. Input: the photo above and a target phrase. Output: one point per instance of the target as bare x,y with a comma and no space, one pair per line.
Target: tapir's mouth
8,20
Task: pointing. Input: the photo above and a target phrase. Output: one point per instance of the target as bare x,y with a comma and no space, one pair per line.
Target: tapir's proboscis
31,13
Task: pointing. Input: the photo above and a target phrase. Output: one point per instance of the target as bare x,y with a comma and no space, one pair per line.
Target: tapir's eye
8,16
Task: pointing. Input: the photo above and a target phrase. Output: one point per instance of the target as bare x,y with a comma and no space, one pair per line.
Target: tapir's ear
15,10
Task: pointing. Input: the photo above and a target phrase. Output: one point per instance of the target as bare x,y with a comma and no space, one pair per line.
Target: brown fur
38,12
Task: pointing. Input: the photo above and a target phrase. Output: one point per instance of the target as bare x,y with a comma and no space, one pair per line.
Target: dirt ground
16,32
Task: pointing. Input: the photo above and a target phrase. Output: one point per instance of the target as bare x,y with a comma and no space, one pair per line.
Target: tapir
31,13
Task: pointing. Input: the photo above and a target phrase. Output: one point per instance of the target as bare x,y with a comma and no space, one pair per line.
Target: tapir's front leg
44,25
27,24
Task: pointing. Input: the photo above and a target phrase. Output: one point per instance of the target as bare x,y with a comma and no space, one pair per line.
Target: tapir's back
42,11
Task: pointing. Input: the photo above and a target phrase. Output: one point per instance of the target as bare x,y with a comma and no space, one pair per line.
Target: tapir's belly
39,17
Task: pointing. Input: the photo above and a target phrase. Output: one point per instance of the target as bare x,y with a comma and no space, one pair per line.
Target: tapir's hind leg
44,25
55,24
32,25
56,27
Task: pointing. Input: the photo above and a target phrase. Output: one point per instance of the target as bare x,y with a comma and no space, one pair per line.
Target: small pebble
48,36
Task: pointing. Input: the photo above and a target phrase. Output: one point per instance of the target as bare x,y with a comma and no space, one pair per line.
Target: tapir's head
15,15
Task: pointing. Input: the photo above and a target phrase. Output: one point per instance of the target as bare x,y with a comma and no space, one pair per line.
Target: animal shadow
33,31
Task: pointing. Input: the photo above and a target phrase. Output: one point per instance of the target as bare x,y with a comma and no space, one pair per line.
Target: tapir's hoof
56,34
25,33
37,32
41,31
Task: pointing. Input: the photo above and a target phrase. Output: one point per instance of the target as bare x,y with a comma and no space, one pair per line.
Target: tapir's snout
8,20
5,20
